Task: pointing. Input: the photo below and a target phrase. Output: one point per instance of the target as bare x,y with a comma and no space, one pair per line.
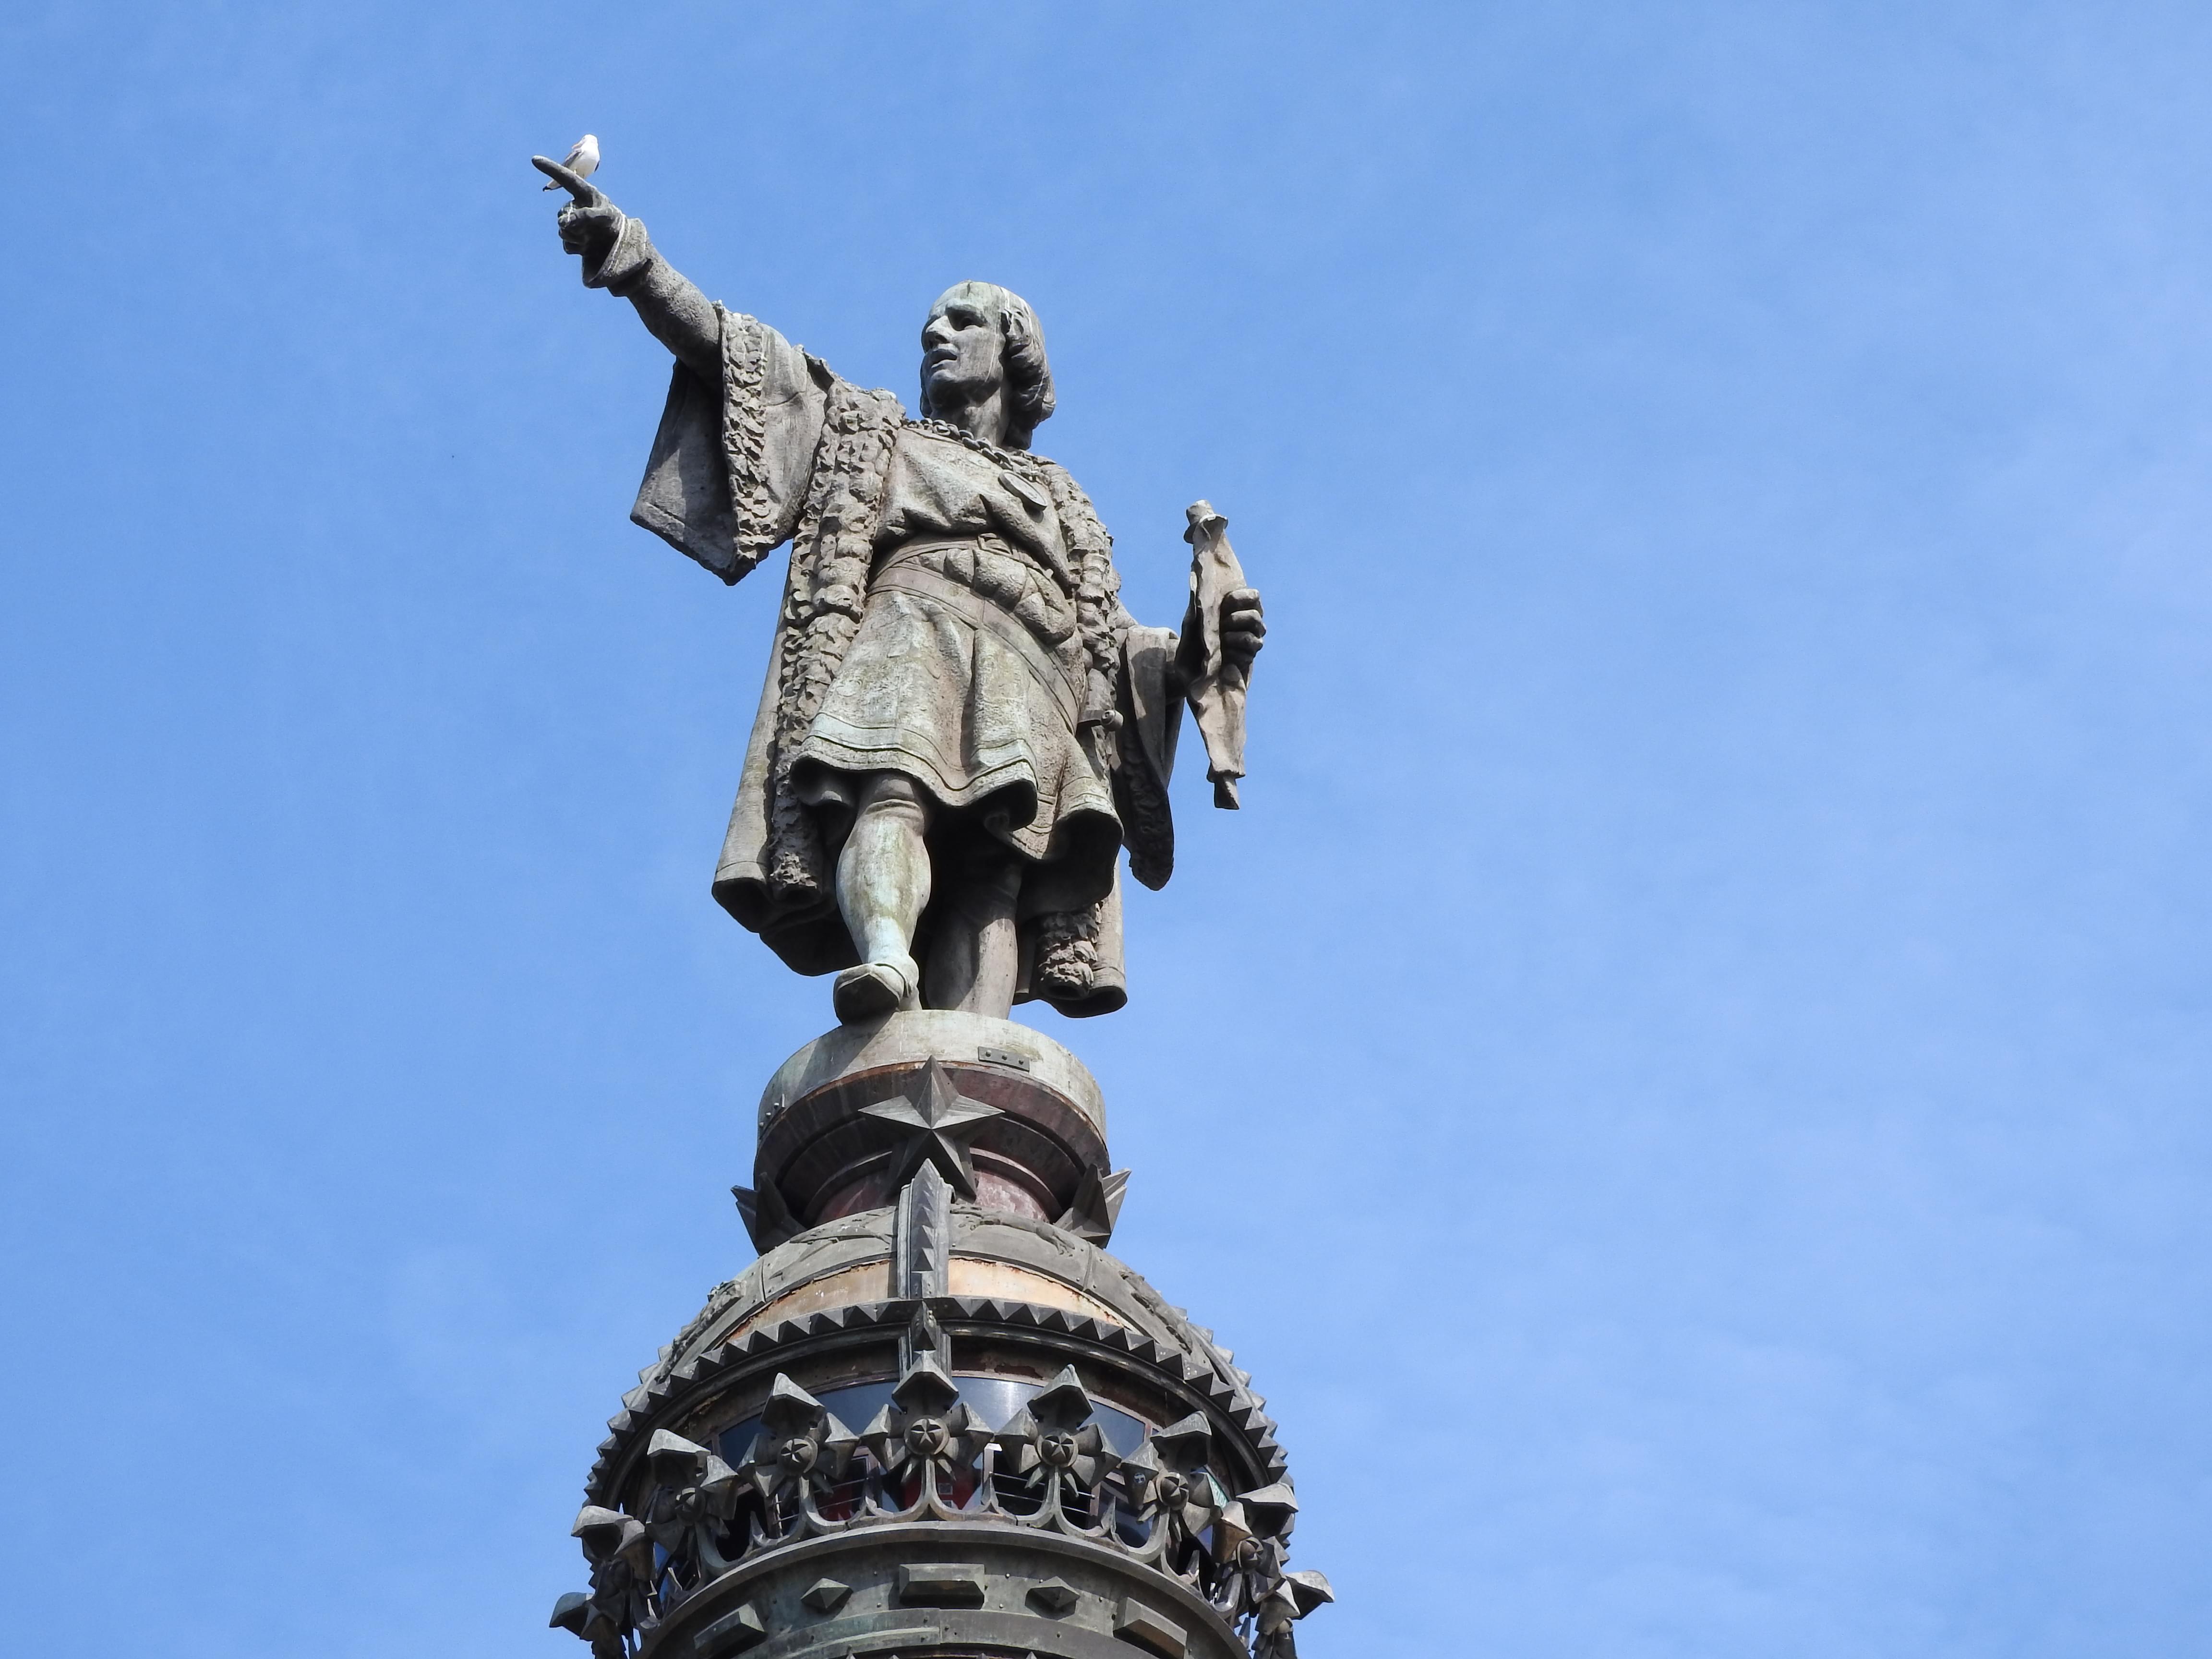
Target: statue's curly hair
1028,375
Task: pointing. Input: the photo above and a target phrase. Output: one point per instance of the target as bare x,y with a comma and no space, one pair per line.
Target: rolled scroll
1217,695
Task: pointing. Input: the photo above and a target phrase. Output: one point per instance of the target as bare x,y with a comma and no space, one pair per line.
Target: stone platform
1014,1121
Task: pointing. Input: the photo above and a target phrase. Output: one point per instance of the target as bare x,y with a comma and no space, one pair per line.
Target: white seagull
583,159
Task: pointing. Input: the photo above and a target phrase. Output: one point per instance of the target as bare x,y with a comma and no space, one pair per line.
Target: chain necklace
1020,461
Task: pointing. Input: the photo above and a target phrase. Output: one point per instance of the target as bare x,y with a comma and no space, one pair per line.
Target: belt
901,572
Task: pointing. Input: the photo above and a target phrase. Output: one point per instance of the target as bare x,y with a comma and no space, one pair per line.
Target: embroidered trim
822,605
745,435
1068,952
1097,591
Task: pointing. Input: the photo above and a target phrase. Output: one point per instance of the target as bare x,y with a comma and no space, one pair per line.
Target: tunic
966,674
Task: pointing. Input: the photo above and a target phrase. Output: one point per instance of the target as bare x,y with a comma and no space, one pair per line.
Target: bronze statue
962,727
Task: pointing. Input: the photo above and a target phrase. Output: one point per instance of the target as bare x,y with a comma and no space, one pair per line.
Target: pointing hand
590,223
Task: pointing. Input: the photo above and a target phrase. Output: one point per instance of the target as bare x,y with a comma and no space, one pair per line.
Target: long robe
952,613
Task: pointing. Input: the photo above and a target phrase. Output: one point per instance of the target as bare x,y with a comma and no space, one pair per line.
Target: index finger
586,195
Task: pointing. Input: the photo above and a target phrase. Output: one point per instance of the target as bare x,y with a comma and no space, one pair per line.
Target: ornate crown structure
935,1417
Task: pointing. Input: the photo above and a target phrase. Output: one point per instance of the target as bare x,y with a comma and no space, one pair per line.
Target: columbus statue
962,727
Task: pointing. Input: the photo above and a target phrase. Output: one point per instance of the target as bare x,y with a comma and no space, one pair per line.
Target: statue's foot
876,989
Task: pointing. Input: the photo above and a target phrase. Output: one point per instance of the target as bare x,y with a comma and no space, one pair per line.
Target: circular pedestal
1011,1119
969,1040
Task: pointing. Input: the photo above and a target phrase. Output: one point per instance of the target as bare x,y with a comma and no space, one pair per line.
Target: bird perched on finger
583,159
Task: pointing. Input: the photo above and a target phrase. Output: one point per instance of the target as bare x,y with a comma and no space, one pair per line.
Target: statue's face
962,352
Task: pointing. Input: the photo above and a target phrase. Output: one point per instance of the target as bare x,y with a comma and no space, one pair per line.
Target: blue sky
1688,1082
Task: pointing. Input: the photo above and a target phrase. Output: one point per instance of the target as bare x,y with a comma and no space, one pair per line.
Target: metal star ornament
943,1120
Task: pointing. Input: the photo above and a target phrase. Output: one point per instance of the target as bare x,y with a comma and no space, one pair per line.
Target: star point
941,1122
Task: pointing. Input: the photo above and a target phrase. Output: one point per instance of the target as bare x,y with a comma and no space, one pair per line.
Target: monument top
934,1418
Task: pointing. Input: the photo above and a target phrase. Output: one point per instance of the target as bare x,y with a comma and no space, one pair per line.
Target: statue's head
981,339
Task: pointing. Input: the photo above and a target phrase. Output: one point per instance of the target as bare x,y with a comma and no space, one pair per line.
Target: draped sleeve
730,465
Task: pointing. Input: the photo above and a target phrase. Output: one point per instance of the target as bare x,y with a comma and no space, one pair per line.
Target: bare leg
975,958
883,885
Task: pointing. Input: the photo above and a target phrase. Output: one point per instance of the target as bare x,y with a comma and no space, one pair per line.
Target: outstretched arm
618,257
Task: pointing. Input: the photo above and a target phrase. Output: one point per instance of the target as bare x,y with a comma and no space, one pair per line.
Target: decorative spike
925,1388
604,1532
922,1235
837,1440
923,1335
1054,1597
1064,1398
1097,1205
1017,1437
733,1632
719,1478
783,1392
1186,1440
672,1454
1310,1590
1230,1529
769,1221
826,1594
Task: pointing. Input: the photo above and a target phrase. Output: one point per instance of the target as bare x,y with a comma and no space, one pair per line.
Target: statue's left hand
1243,629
